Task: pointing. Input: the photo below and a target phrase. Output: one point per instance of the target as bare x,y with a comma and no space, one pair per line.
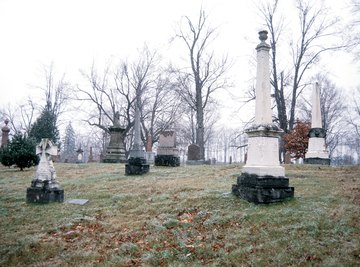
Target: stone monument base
136,166
319,161
167,160
114,155
262,189
43,192
116,160
198,162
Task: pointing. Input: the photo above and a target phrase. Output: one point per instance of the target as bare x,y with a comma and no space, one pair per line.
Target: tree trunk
200,123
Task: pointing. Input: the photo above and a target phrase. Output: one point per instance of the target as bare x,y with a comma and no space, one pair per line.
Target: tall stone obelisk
263,179
317,152
137,163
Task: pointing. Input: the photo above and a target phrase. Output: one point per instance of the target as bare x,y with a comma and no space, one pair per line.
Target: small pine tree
20,151
296,142
6,158
45,126
69,153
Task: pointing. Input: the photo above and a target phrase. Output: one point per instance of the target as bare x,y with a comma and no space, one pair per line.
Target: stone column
263,114
137,150
317,152
263,179
5,134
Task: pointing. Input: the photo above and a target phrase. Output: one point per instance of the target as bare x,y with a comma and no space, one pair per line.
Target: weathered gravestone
193,156
263,179
45,188
5,134
115,151
317,152
167,153
193,152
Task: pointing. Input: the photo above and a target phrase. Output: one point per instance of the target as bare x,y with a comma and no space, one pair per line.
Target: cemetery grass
184,216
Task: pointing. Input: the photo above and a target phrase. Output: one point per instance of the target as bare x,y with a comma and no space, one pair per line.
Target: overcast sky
72,34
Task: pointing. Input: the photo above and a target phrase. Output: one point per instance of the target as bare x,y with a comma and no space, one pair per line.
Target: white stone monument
45,187
317,152
263,179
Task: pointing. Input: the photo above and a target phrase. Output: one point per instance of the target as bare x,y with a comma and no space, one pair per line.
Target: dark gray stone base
262,189
198,162
44,195
167,160
136,166
319,161
114,160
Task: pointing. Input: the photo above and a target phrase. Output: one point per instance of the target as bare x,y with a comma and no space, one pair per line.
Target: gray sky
72,34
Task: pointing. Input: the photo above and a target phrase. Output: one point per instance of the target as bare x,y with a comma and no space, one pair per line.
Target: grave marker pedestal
115,151
167,153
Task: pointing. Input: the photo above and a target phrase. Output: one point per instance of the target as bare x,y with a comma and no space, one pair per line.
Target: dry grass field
184,216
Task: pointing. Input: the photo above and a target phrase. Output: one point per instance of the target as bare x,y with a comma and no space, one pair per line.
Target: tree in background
57,94
45,126
205,74
69,148
296,142
353,30
115,90
20,151
21,116
308,41
353,120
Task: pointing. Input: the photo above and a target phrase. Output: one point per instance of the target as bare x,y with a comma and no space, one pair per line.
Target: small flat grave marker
78,201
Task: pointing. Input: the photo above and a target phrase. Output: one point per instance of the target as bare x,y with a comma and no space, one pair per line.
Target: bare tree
309,41
354,121
57,92
205,75
353,28
116,90
21,116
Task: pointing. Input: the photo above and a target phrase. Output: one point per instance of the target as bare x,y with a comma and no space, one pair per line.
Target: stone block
44,195
260,195
167,160
319,161
167,139
262,189
136,166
